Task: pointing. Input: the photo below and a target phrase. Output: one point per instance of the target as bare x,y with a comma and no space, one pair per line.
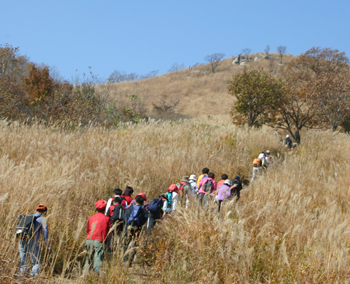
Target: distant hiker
288,142
172,198
223,192
116,219
156,210
206,186
236,187
128,192
144,197
204,174
221,182
262,157
97,230
28,231
194,187
116,192
257,169
135,217
268,157
184,189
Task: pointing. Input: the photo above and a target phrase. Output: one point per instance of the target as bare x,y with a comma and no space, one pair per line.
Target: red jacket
97,227
128,199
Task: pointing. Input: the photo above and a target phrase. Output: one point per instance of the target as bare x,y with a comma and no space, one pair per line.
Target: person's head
100,205
268,152
173,187
117,200
142,195
227,182
211,175
41,208
193,178
117,191
205,171
128,191
287,136
237,178
139,200
224,176
185,179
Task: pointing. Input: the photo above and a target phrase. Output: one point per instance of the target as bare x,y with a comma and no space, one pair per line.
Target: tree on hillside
214,60
176,67
117,77
281,51
267,49
255,91
246,51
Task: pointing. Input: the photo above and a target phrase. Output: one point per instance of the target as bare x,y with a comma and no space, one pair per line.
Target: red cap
173,187
41,207
100,205
143,195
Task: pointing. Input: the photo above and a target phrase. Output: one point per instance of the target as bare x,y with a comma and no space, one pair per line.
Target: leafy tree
214,60
255,91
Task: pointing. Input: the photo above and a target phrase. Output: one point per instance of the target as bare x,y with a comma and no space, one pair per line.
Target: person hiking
206,186
97,232
236,187
257,168
184,190
221,182
116,218
288,142
262,157
116,192
135,217
172,198
223,192
29,243
157,210
144,197
194,187
268,157
204,174
127,195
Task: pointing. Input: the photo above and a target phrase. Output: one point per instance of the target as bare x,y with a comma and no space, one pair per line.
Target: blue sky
140,36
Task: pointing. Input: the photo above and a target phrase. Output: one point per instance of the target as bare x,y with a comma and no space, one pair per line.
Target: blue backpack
134,218
169,196
155,207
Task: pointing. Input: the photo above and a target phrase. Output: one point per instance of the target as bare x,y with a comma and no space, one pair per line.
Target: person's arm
174,202
109,202
165,206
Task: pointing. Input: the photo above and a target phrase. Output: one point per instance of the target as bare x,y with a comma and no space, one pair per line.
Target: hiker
97,230
116,217
127,195
204,174
288,142
221,182
156,210
144,197
116,192
29,235
262,157
184,189
135,217
236,187
194,186
172,198
223,192
257,169
206,186
268,157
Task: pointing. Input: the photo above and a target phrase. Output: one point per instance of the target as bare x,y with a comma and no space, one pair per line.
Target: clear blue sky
140,36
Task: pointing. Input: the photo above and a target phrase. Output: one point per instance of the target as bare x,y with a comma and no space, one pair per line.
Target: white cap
192,177
287,136
268,152
228,182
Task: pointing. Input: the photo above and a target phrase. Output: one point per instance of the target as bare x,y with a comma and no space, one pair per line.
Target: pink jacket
203,182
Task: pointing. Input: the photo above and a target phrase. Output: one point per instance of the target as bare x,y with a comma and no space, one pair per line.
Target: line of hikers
122,217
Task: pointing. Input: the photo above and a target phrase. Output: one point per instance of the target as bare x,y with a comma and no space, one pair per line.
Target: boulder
256,58
242,63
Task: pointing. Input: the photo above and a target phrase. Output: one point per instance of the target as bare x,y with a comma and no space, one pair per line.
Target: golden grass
291,226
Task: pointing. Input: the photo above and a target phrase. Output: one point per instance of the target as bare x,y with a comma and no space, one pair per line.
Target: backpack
207,186
118,213
155,207
134,216
25,226
256,162
185,187
169,196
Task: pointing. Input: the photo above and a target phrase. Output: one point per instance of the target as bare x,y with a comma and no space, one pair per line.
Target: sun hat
185,179
143,195
41,207
287,136
228,182
268,152
193,177
100,204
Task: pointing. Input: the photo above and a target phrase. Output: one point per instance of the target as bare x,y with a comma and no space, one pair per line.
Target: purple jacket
223,192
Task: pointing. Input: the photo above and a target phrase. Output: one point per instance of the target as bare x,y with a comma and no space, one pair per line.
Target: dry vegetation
198,90
291,226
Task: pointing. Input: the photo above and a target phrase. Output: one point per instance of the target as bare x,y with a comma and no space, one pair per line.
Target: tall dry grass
290,226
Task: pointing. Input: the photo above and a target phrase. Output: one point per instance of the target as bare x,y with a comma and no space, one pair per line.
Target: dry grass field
290,226
198,90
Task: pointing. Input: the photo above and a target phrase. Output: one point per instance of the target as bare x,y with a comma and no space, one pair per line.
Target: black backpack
25,226
207,186
118,213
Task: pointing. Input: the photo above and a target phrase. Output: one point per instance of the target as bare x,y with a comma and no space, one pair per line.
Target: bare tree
150,74
267,49
282,51
176,67
117,77
214,60
246,51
